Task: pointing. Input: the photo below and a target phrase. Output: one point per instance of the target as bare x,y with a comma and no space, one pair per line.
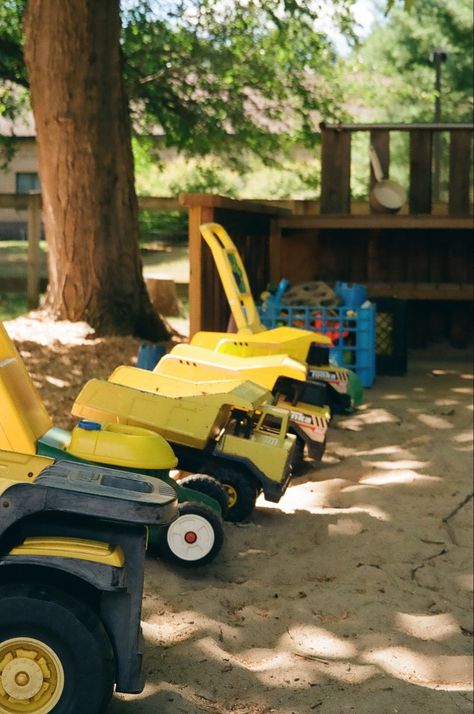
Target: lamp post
437,57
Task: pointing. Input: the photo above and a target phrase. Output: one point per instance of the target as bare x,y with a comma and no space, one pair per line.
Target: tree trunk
90,210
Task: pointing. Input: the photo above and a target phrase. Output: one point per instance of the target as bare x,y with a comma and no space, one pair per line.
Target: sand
353,594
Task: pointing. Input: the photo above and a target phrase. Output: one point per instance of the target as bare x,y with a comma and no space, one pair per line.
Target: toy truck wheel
194,538
298,461
210,487
241,490
55,655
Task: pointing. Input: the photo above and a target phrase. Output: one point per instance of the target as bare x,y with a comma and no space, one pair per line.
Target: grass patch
12,305
14,256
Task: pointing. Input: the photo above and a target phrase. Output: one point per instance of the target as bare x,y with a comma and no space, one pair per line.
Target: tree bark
90,210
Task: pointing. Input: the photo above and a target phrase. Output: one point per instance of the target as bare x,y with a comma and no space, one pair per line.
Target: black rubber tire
210,486
75,634
298,462
164,548
243,486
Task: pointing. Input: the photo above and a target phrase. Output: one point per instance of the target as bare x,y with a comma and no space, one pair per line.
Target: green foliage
255,178
163,226
215,78
391,75
12,66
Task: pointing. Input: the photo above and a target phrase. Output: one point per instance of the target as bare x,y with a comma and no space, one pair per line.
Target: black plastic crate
390,336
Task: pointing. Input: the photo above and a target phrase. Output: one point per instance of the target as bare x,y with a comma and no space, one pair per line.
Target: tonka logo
301,418
323,374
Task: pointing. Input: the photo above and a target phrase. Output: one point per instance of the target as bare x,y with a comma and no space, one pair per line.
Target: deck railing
423,166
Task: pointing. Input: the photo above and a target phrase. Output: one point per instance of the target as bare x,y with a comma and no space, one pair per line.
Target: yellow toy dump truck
344,388
307,422
237,437
193,539
72,553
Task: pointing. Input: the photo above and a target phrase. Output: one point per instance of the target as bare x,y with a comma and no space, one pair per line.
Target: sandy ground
350,595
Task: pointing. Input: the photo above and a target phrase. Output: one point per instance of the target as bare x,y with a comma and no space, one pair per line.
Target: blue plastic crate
351,329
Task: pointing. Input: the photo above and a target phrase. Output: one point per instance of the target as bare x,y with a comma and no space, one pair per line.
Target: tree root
425,560
449,528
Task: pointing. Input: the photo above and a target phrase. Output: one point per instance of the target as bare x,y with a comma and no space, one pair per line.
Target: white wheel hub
190,537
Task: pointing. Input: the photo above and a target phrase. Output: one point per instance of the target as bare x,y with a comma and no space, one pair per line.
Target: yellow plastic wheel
31,677
231,495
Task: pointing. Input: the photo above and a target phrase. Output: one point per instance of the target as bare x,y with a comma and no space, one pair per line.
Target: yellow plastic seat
25,425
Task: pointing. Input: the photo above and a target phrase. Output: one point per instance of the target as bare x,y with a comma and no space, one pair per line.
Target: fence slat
33,235
459,172
420,171
335,172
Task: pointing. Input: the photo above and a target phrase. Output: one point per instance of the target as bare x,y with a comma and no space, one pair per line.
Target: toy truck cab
72,551
258,440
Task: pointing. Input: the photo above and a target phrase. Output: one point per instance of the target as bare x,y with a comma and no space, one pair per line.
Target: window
26,182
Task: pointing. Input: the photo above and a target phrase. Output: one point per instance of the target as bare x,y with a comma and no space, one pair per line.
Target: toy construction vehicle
309,423
237,437
72,552
344,388
194,538
285,377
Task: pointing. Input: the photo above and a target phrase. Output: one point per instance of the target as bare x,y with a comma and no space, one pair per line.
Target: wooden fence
423,253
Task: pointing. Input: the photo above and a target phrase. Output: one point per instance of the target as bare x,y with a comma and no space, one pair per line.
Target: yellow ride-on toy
344,388
194,538
72,552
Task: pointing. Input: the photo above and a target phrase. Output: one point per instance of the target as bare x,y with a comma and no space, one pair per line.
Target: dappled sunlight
427,627
400,464
55,382
448,672
446,405
345,527
394,397
463,437
466,581
308,640
317,504
380,450
462,390
370,417
397,476
165,634
434,422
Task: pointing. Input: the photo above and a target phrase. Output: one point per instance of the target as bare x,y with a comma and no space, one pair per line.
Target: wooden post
459,168
335,171
274,249
420,171
33,235
197,215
